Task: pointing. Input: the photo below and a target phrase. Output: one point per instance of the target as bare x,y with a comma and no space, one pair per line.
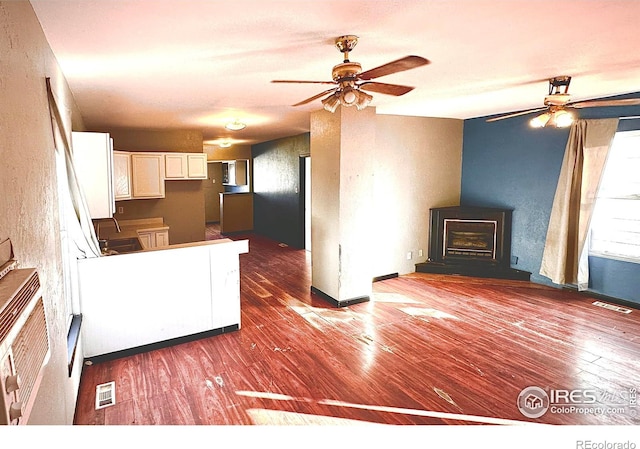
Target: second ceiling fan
557,106
350,81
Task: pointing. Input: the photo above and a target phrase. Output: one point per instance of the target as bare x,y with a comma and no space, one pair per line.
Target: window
615,224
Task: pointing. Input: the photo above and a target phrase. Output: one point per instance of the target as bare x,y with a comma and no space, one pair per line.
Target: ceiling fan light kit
347,96
560,118
351,81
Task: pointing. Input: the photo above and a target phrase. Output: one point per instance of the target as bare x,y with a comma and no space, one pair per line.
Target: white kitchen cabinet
122,175
93,161
153,238
185,166
147,175
197,166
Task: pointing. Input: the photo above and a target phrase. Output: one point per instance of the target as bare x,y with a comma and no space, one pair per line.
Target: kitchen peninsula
132,300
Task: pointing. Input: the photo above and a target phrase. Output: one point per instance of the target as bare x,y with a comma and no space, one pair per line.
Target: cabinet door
122,175
147,239
93,160
197,166
175,166
162,238
147,175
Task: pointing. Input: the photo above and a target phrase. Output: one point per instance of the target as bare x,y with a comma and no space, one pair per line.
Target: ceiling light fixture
347,96
557,117
235,125
224,144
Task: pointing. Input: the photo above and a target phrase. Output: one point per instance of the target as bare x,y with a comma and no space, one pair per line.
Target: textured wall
418,166
325,204
276,184
28,187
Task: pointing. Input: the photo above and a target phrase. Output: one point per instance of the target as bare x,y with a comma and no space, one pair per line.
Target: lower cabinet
153,239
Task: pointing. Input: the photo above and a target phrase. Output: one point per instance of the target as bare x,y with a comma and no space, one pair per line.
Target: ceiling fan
350,81
557,106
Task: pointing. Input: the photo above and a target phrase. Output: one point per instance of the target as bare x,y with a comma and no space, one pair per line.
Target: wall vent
24,344
105,395
615,308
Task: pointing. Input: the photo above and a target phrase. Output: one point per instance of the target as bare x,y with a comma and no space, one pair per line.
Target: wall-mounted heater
24,343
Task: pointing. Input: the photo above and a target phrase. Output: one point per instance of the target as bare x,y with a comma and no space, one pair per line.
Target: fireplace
470,240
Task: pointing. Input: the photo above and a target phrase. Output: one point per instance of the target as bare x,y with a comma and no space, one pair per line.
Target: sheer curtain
565,258
81,229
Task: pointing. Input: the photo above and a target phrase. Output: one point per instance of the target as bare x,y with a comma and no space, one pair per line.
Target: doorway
305,199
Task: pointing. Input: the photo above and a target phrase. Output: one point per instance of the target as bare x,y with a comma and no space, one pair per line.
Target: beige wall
415,164
215,153
28,187
183,206
341,193
418,166
325,207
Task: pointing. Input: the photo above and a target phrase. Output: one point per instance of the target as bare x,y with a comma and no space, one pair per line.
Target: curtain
82,231
565,258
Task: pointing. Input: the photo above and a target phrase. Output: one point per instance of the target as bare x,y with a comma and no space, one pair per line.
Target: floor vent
604,305
105,395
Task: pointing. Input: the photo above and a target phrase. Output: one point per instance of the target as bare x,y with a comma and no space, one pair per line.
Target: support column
342,148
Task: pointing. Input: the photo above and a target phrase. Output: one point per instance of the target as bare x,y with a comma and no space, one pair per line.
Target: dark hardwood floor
427,349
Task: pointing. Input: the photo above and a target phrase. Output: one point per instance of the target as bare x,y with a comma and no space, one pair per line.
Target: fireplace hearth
472,241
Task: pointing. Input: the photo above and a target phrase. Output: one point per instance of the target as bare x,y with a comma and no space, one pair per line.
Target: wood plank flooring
427,349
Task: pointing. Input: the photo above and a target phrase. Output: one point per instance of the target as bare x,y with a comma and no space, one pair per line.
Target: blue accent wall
508,164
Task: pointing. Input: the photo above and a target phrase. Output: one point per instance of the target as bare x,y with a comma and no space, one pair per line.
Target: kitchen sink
121,246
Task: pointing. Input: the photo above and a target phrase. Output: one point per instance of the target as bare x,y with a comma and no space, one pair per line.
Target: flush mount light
224,144
235,125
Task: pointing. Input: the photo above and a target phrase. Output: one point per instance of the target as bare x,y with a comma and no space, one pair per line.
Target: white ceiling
198,64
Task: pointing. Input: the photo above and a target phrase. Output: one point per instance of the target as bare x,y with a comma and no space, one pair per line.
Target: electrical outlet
121,209
409,255
419,253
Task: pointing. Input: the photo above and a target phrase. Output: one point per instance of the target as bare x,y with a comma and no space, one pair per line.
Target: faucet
116,223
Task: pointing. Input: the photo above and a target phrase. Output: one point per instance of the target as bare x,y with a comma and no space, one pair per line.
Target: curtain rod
629,118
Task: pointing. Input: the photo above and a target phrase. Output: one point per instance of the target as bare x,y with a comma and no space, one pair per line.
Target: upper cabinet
107,176
122,175
93,161
147,175
185,166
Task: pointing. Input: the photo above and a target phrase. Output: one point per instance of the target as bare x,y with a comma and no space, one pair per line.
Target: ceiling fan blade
602,103
303,82
315,97
515,114
384,88
399,65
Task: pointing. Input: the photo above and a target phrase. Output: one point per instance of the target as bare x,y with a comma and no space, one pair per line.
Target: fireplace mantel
471,240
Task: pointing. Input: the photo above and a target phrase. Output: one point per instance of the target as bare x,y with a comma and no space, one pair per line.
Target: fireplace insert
470,240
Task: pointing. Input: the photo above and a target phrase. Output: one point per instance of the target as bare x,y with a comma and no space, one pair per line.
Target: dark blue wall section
276,186
508,164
